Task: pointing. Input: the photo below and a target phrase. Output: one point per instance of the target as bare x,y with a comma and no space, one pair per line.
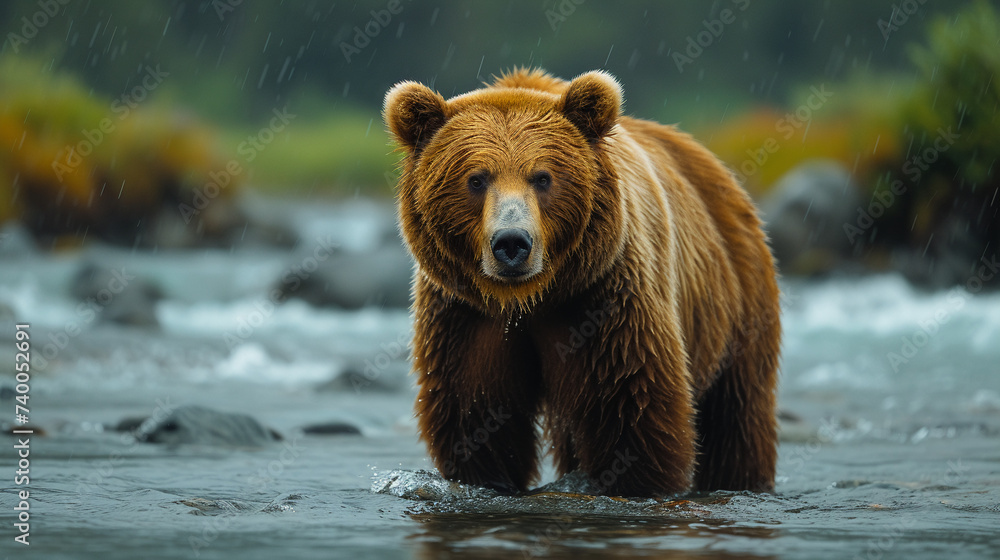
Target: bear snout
511,247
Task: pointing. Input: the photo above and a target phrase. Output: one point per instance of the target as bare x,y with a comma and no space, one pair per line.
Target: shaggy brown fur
643,326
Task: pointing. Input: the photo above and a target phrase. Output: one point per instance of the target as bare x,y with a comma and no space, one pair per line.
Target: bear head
505,188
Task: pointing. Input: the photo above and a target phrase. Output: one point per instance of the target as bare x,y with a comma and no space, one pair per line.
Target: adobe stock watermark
265,476
211,528
900,15
259,483
552,533
389,353
913,168
802,454
696,44
71,156
86,313
877,547
468,445
363,36
560,12
48,9
622,462
956,299
290,281
392,178
221,179
223,7
579,335
752,329
392,350
620,465
105,469
787,127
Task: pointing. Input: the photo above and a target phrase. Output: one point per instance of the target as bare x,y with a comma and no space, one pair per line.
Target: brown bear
599,276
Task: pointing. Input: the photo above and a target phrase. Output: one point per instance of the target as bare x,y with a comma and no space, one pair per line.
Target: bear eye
477,182
541,180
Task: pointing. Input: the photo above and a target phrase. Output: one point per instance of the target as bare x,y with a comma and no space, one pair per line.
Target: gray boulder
352,280
950,258
204,426
805,215
368,377
236,221
16,241
118,295
332,429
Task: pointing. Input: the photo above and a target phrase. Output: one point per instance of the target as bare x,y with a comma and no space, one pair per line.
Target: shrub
76,165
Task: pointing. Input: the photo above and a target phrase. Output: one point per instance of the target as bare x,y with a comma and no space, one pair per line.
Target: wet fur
641,224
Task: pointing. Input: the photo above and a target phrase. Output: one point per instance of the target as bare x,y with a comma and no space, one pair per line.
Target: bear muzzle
511,247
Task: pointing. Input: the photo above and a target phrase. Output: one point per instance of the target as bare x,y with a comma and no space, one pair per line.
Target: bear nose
511,246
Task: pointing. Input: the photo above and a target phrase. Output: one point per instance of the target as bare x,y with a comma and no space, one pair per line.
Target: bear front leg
478,397
639,439
621,401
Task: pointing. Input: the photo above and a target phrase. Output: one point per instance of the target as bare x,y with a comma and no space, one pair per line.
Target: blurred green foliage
743,75
78,164
959,73
950,127
233,62
345,149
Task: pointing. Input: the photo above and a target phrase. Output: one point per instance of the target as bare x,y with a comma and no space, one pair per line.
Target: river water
890,399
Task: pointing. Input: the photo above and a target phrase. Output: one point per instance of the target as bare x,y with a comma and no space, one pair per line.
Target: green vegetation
77,164
951,130
855,122
232,63
959,89
749,92
345,152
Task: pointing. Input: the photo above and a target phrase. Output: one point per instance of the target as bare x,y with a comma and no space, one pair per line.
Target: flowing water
890,400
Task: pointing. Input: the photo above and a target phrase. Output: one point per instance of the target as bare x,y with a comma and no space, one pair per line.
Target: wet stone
204,426
117,295
332,429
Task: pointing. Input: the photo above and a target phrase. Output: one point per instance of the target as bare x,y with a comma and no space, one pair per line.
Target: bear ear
593,104
413,114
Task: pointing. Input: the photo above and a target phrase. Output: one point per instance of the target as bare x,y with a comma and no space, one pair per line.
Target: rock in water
352,280
16,241
805,215
121,297
204,426
370,377
332,429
